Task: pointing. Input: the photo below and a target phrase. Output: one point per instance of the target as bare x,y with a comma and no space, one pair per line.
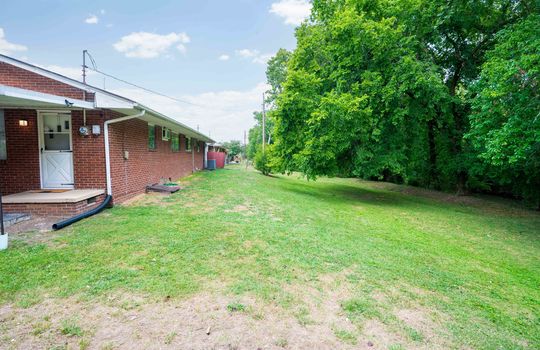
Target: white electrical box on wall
96,129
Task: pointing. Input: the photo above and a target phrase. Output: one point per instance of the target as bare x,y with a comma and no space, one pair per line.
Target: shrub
262,161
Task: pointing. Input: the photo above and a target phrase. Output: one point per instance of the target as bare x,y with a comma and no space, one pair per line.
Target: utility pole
84,66
245,150
263,124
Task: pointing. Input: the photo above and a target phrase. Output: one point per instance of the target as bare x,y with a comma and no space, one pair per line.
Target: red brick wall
20,172
59,210
144,167
23,79
89,151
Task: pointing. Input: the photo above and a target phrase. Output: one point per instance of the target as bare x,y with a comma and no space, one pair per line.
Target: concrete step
13,218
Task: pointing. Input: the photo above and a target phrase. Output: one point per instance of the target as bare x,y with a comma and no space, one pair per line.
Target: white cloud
70,72
263,59
92,19
255,55
224,57
293,11
150,45
247,53
8,48
223,114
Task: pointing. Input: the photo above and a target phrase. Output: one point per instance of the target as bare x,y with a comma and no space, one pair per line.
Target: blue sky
211,53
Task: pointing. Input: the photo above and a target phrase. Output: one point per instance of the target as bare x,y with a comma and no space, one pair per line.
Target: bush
262,162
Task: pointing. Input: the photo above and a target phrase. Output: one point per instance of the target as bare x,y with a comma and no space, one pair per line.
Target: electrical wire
140,87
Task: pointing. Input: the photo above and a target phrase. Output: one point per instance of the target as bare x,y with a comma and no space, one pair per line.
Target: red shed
219,154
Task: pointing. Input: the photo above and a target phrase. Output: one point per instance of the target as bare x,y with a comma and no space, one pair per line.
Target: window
198,147
151,136
165,134
175,142
3,147
188,144
56,131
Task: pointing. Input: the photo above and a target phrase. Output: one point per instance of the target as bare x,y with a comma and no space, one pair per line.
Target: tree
276,73
382,89
505,121
234,148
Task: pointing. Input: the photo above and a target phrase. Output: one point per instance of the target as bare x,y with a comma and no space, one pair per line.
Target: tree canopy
430,93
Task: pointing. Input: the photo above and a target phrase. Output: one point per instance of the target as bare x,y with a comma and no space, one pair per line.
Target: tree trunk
433,178
458,132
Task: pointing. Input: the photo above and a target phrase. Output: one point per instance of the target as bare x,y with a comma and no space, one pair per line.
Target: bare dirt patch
34,231
245,209
146,199
202,322
314,319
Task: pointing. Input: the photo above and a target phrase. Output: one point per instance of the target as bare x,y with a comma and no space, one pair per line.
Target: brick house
65,145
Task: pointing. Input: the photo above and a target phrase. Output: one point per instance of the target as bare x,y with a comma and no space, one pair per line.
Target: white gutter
107,149
35,96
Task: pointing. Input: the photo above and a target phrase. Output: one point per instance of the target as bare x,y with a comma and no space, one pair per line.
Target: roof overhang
12,97
154,117
103,99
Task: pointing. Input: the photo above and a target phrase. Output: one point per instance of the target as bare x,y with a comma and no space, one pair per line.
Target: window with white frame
188,144
165,134
3,143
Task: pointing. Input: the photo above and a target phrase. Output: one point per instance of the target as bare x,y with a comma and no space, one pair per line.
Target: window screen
175,142
151,136
3,146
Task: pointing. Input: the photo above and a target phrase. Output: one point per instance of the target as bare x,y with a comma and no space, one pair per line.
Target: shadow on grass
340,193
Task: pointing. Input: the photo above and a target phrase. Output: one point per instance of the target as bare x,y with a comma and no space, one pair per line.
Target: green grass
478,267
236,307
71,328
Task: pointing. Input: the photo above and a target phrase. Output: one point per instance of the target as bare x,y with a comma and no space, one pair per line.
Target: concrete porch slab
11,219
70,196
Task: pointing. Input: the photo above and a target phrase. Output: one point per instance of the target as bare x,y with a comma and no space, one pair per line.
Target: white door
56,150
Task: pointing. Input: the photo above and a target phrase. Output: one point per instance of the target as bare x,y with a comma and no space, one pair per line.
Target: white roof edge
11,91
202,136
45,72
93,89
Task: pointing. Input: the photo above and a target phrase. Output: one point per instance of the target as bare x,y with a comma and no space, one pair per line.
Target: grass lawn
375,265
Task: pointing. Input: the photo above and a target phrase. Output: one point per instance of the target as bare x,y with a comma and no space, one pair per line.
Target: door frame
41,143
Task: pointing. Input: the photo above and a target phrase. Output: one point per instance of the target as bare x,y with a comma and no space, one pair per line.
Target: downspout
108,198
107,148
192,158
205,155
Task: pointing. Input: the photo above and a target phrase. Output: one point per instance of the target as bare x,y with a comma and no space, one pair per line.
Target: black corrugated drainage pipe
67,222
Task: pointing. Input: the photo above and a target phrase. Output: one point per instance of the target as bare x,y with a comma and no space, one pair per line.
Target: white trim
45,72
100,93
107,148
41,143
31,95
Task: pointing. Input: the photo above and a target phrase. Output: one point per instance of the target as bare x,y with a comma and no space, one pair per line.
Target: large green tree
382,89
505,120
